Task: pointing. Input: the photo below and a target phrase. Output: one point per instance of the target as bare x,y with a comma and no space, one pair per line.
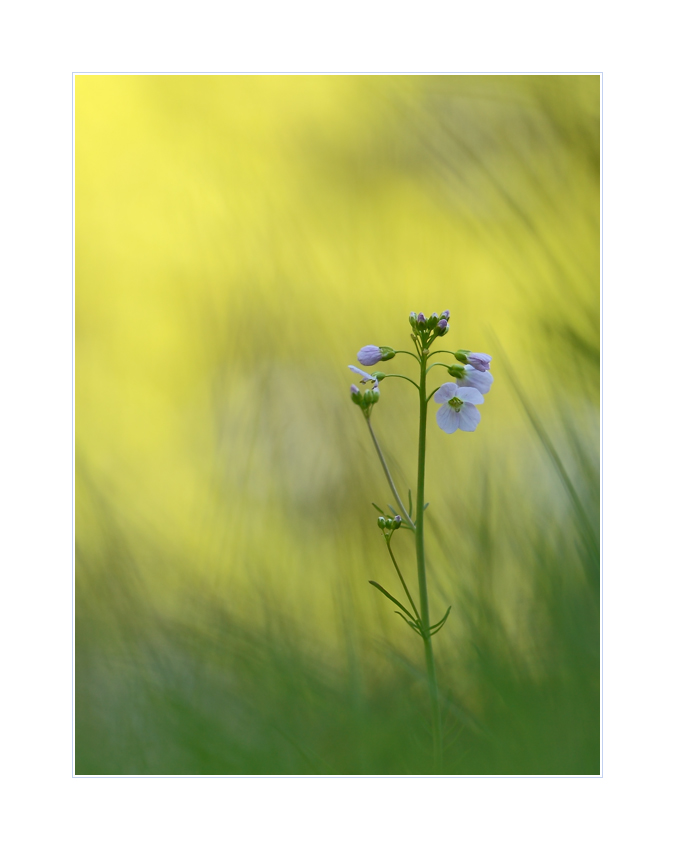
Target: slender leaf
393,598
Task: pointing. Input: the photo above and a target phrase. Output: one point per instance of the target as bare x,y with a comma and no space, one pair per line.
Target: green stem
409,380
404,512
421,573
441,351
409,353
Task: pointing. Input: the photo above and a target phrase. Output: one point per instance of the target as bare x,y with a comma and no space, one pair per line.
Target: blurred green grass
237,240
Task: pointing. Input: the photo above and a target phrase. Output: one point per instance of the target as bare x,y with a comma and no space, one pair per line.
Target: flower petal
369,355
470,394
366,377
447,418
480,361
468,417
482,381
445,392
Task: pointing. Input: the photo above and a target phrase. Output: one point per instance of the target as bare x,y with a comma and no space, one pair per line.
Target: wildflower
470,377
479,361
365,376
458,408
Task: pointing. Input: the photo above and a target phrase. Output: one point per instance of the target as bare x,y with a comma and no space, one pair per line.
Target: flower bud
397,521
445,315
369,355
412,318
355,394
380,376
442,326
456,371
421,321
461,355
432,321
368,397
381,522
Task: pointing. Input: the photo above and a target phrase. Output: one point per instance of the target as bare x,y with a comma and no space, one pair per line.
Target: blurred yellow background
238,239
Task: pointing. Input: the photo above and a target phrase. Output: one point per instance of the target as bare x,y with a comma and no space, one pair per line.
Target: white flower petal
468,417
445,392
470,394
365,375
482,381
447,418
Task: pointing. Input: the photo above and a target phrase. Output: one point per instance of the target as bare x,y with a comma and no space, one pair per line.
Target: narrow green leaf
410,507
393,598
426,506
410,623
439,625
377,508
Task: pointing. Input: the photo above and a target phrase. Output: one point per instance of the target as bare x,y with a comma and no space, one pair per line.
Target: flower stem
404,512
421,573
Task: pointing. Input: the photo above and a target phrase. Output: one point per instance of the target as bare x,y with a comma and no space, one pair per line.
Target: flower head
479,361
442,325
458,408
482,381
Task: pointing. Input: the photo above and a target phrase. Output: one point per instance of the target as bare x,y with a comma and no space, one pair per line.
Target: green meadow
237,240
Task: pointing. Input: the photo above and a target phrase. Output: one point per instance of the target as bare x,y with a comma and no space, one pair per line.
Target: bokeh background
238,239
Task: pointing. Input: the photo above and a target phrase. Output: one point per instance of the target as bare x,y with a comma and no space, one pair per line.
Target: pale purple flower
458,408
482,381
479,361
365,376
369,355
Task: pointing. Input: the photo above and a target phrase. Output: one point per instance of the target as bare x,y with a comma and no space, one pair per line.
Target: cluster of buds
389,523
429,328
366,399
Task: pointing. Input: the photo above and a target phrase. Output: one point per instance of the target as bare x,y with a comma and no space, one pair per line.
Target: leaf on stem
410,623
439,625
392,598
410,504
377,508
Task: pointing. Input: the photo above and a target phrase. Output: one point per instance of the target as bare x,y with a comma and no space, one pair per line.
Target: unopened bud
442,325
445,314
397,521
456,371
380,376
381,522
432,321
421,321
461,355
